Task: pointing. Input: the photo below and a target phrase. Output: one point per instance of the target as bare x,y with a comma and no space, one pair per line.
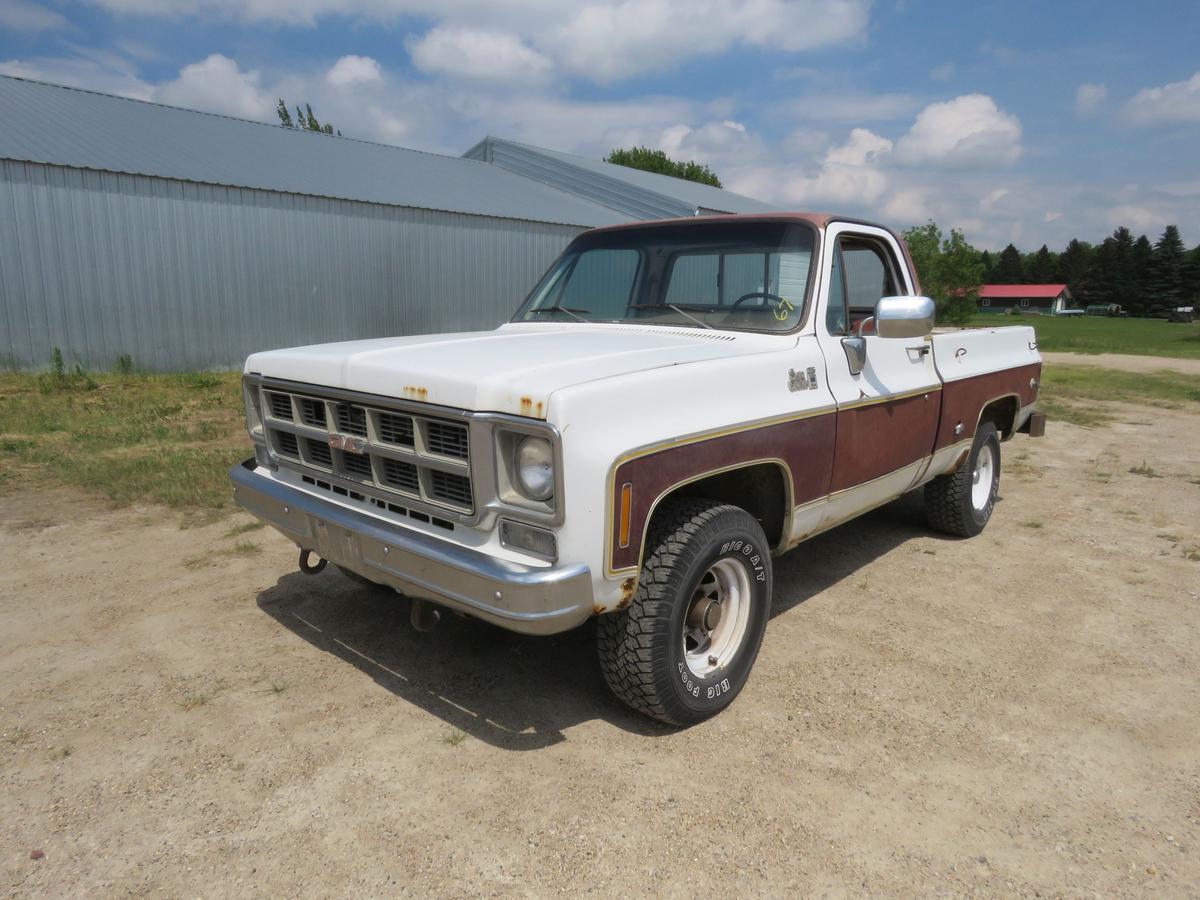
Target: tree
988,265
1043,266
950,270
1191,277
1167,269
1073,266
305,120
1140,259
1008,268
658,161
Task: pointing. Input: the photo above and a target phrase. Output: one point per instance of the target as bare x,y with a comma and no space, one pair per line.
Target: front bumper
529,599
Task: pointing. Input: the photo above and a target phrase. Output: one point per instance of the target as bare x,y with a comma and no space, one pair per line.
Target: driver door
887,411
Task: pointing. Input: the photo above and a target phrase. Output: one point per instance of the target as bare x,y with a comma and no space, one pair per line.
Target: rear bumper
528,599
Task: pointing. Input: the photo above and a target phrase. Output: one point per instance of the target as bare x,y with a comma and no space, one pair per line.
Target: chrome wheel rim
981,478
717,617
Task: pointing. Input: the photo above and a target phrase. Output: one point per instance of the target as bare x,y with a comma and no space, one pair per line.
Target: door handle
920,351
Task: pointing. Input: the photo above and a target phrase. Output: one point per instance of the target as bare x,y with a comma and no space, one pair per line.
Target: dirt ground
1014,714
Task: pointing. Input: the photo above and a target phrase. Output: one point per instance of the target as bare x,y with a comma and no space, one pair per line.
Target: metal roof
47,123
639,194
1010,291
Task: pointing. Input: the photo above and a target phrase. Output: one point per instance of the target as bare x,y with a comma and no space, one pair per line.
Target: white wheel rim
717,617
981,478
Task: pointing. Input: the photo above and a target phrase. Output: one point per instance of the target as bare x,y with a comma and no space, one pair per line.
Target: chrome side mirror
904,317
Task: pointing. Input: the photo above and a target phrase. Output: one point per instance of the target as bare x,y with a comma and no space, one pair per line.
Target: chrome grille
386,451
446,439
280,405
394,429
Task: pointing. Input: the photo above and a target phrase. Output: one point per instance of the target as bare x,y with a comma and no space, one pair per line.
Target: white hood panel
514,369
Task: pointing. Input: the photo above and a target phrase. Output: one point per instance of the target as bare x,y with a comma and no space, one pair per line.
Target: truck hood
513,369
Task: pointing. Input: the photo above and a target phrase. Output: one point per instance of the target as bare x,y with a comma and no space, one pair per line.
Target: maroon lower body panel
964,400
883,437
804,445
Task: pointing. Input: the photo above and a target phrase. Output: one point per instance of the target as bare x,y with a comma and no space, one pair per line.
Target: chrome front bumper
529,599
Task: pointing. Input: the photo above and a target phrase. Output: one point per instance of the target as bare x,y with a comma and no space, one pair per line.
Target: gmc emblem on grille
346,442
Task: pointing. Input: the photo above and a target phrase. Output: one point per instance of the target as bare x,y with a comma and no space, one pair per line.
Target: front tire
962,502
683,649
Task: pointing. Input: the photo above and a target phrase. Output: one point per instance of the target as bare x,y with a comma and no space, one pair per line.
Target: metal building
188,240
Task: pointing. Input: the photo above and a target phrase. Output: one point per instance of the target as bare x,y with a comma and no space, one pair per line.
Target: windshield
739,275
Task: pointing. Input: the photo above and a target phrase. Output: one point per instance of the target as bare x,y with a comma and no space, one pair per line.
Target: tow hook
423,615
307,566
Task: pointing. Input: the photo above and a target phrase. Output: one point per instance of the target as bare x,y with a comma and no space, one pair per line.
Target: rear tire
683,649
961,503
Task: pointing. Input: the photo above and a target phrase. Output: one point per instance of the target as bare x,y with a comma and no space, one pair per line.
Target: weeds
136,438
1193,554
454,738
246,548
244,527
61,753
1033,523
1144,470
194,701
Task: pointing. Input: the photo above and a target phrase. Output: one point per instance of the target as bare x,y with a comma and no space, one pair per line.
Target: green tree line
1145,278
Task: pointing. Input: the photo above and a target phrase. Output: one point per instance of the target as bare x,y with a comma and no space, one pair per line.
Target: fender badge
346,442
802,381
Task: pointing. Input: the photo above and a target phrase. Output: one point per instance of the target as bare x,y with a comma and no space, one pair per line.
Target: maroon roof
1013,291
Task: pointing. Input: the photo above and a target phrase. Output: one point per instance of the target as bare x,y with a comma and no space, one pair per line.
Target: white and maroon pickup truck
674,404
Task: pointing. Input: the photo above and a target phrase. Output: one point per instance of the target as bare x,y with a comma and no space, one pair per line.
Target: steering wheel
765,295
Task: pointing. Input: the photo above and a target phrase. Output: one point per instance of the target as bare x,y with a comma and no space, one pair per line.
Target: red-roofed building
1037,299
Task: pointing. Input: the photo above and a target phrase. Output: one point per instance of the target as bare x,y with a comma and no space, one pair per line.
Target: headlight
534,466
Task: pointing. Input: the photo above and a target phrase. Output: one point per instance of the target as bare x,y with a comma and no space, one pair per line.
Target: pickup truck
674,404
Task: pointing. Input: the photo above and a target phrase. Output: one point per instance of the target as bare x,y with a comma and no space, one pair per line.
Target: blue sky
1030,122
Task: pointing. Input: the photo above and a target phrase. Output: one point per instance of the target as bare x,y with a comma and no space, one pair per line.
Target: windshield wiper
674,307
570,312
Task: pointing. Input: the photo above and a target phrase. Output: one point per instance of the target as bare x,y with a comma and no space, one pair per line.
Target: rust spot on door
598,610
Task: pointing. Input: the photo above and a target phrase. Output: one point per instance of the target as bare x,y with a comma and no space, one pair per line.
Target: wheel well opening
1003,414
760,490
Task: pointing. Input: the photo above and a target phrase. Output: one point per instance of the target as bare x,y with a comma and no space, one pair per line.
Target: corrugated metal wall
185,276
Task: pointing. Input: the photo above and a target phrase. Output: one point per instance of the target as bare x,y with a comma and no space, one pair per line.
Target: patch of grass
1097,334
194,701
134,438
1033,523
246,548
454,738
1193,554
244,527
277,687
1144,470
1079,394
62,752
1195,481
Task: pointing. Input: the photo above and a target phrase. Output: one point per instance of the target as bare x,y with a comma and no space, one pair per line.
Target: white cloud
850,173
967,131
944,72
853,108
908,206
353,70
1089,98
216,84
608,41
23,15
1178,101
601,40
470,53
